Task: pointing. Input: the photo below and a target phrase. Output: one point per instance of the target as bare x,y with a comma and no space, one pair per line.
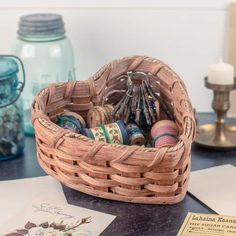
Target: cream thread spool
164,133
114,133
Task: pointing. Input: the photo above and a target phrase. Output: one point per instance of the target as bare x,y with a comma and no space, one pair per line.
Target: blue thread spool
135,135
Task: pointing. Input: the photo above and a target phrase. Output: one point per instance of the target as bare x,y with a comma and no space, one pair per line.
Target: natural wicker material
118,172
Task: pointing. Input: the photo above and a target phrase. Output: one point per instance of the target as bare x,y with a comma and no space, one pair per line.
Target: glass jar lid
8,68
41,25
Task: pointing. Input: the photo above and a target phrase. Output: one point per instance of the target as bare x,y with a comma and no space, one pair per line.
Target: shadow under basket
118,172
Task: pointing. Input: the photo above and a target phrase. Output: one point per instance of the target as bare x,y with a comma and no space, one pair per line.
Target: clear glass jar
11,110
47,56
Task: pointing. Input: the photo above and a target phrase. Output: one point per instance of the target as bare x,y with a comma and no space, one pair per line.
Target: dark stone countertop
132,219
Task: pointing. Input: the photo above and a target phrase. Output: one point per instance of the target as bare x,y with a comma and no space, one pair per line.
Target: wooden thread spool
135,135
114,133
164,133
100,115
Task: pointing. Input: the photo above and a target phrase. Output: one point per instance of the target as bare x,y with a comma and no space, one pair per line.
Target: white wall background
188,35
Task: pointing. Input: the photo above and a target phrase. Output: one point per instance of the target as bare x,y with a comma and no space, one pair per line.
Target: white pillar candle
221,73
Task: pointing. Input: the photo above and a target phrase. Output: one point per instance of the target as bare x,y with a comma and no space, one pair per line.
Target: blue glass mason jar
11,108
47,55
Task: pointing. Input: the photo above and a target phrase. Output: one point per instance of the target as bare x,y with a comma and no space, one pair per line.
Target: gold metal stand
219,135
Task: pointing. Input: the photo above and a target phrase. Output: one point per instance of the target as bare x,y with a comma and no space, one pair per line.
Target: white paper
51,218
16,194
216,187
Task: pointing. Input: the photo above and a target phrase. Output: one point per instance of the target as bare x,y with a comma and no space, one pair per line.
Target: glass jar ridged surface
47,56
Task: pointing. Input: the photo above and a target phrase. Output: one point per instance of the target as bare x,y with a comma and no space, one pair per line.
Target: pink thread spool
164,133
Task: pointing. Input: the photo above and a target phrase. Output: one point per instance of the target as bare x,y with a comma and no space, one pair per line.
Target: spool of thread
164,133
114,133
76,115
135,135
72,121
100,115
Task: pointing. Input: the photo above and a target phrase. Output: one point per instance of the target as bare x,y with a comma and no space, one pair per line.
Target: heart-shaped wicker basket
118,172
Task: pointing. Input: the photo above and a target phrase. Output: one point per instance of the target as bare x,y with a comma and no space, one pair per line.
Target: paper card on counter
51,218
16,194
208,225
216,187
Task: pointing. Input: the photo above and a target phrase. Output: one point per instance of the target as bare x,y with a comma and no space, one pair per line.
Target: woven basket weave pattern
118,172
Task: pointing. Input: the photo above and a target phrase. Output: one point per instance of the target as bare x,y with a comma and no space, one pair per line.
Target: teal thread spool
71,121
135,135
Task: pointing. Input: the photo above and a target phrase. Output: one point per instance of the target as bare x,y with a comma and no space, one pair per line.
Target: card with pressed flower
43,218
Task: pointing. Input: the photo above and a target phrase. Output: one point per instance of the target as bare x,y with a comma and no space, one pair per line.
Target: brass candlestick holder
219,135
